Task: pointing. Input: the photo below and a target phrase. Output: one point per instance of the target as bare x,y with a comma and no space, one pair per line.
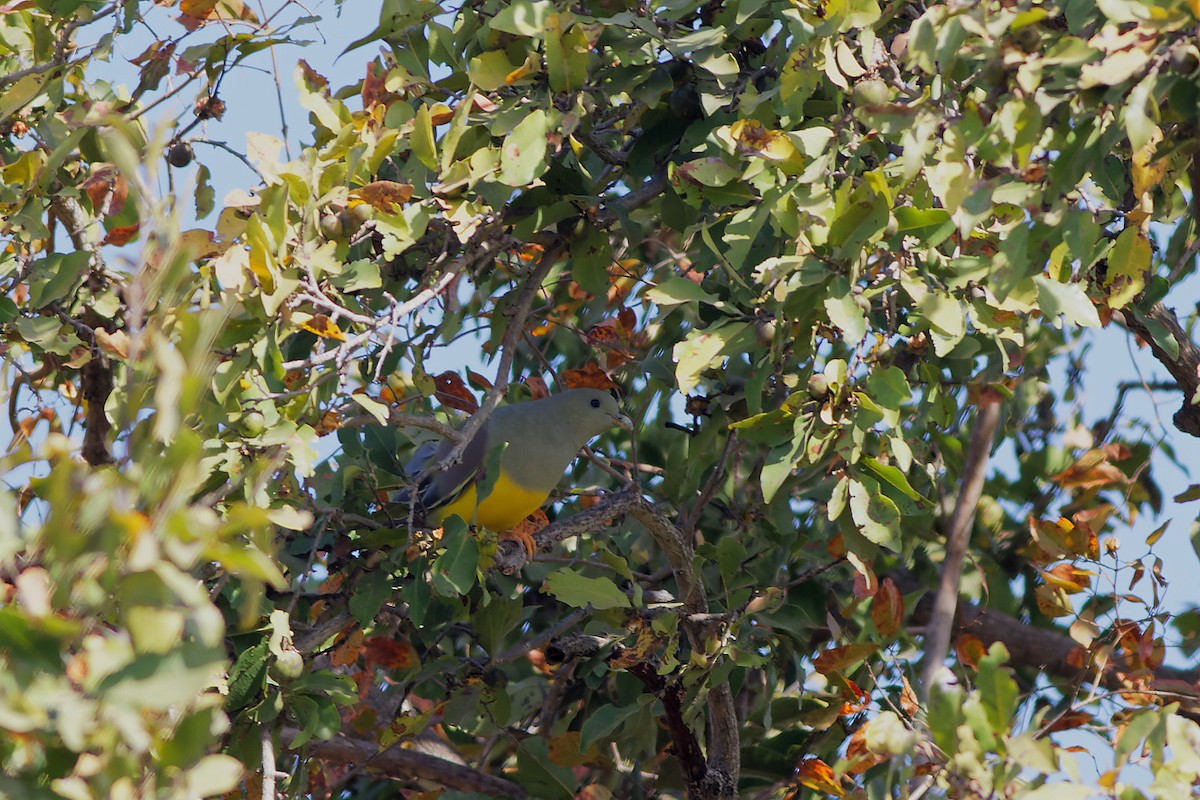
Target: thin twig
508,346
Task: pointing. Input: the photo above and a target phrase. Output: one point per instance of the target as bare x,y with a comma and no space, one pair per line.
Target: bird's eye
595,402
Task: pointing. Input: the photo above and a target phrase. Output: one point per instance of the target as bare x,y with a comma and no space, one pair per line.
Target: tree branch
404,765
512,335
1184,365
1048,650
958,537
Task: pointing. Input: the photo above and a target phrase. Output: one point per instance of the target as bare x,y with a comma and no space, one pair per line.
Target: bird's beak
623,421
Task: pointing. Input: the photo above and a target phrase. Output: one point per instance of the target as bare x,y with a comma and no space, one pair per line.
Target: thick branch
405,765
1184,366
958,537
1048,650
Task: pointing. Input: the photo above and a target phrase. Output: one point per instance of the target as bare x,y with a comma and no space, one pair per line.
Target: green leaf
702,349
591,256
875,515
1066,299
931,225
844,311
1138,726
160,681
56,277
524,150
1189,494
1128,267
566,55
603,721
676,290
489,71
421,141
523,18
896,478
215,774
579,591
864,217
453,573
370,593
997,689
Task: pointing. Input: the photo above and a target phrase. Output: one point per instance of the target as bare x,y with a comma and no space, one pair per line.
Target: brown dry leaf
1052,601
815,774
330,422
121,234
324,327
1091,470
887,609
390,653
107,190
643,649
347,651
373,90
196,13
590,376
115,343
537,387
311,77
201,243
854,699
969,649
859,759
1068,577
908,698
478,382
452,392
564,750
1070,720
841,658
384,195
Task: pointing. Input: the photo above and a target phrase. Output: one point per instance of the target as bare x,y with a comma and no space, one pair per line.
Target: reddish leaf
1069,720
389,653
477,381
969,650
590,376
384,195
347,651
841,658
859,759
815,774
121,234
453,393
887,609
537,387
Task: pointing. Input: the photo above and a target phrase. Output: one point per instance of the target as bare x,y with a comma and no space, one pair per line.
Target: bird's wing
444,486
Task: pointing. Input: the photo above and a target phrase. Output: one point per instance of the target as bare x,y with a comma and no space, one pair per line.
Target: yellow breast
505,506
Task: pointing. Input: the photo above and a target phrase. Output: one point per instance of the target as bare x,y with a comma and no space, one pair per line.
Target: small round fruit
180,154
818,386
288,665
331,226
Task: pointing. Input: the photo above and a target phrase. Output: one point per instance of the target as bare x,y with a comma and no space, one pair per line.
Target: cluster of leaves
809,240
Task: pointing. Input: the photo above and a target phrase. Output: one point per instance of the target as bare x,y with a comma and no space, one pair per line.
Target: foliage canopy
833,251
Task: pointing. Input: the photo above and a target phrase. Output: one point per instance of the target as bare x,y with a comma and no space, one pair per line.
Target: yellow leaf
523,71
324,327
